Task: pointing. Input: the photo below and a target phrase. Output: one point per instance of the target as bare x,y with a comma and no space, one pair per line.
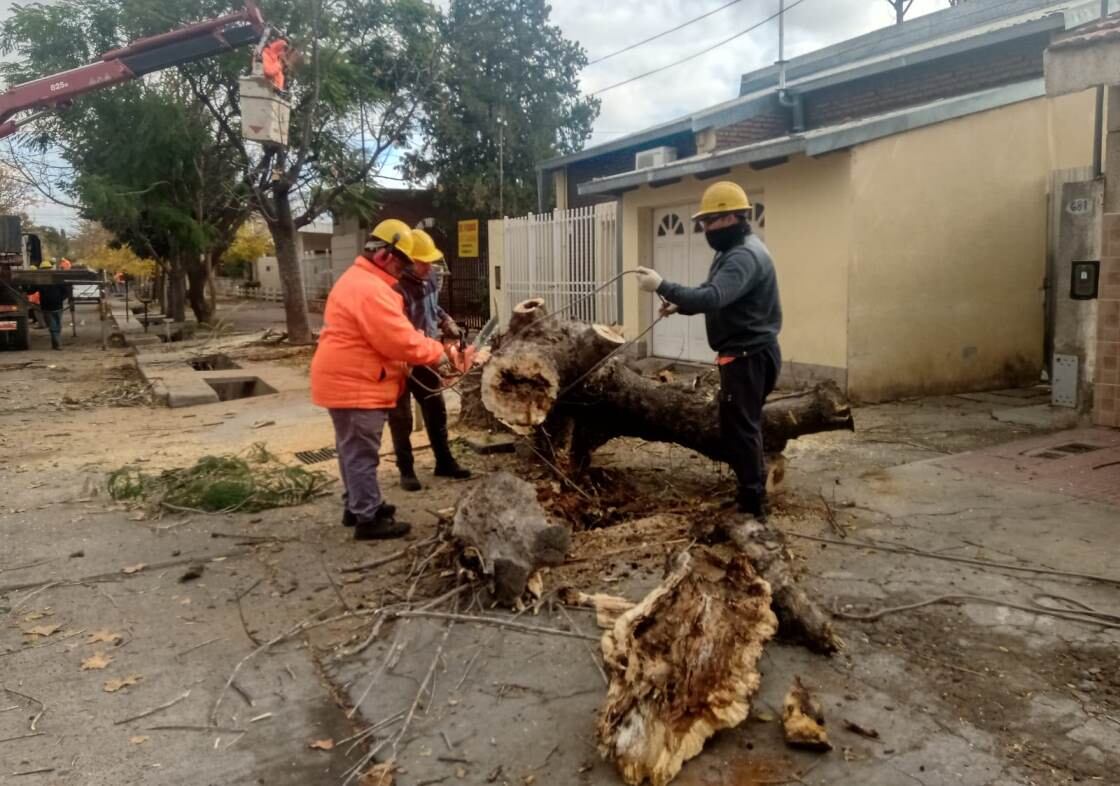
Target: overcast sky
604,26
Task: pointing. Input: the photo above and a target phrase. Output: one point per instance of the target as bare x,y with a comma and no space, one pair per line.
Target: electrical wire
663,33
704,51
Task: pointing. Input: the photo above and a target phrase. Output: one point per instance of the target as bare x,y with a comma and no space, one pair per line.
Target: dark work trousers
744,385
421,382
54,324
357,437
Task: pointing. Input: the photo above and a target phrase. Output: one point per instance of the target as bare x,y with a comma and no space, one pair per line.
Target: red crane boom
186,45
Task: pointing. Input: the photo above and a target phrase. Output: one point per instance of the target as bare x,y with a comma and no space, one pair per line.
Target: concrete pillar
1112,152
560,184
1106,409
1079,239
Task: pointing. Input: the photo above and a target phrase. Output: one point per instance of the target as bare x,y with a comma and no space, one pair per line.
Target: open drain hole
240,387
1077,448
213,363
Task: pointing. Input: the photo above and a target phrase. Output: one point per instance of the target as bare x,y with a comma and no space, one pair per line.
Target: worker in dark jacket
52,302
743,314
420,285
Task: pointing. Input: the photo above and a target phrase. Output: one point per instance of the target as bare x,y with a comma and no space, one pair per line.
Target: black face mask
727,238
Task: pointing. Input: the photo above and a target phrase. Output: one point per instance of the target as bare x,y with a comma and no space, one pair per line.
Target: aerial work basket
265,113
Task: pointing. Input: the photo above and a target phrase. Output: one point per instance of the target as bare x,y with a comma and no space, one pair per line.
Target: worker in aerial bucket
420,285
359,370
743,313
277,58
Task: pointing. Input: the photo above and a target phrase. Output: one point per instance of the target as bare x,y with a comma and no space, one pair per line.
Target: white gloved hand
649,280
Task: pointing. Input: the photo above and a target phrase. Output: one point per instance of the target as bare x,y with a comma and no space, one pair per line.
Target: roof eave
825,140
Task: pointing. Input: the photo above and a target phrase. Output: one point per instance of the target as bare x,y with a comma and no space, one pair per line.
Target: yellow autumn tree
252,242
121,260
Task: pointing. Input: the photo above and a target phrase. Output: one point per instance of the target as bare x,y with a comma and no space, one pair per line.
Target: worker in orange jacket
360,368
276,58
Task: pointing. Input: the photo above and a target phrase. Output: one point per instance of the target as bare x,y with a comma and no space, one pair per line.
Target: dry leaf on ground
133,569
139,739
321,745
381,775
112,686
43,630
104,636
96,662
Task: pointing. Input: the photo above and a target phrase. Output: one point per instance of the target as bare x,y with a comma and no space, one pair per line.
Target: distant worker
743,314
52,302
65,264
276,59
359,371
33,301
420,284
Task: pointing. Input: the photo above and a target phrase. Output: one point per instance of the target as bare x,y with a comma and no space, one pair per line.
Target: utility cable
663,33
704,51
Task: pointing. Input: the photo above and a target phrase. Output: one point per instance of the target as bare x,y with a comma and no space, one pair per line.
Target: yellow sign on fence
468,239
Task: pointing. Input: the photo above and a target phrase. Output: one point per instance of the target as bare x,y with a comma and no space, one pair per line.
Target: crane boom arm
186,45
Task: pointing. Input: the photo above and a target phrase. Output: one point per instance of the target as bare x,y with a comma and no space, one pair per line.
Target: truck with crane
265,114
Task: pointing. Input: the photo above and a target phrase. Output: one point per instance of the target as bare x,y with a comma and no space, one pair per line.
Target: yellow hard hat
424,248
723,197
46,265
392,233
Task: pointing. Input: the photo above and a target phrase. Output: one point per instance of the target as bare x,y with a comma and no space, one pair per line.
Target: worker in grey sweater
743,313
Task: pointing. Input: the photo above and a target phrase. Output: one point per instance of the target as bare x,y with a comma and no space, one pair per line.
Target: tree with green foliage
369,64
508,98
143,158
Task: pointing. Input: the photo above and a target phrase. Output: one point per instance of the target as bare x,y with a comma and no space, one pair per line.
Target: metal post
73,317
127,310
782,45
1098,121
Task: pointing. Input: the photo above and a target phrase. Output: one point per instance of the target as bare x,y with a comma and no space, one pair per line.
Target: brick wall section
757,129
1106,390
994,66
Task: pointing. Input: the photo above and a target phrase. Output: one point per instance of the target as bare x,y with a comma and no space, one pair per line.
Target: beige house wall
949,239
808,230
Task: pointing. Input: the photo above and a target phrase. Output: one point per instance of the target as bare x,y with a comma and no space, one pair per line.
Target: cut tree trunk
540,360
557,376
683,665
503,527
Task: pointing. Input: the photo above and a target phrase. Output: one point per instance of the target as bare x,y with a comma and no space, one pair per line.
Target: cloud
604,27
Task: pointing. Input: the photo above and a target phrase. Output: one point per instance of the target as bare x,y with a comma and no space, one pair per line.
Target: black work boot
350,520
409,481
754,504
448,467
383,526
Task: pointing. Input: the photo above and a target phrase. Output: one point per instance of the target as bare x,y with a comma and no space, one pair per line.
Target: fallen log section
502,527
559,377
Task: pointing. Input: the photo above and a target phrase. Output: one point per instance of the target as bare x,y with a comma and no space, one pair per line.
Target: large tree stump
683,665
503,526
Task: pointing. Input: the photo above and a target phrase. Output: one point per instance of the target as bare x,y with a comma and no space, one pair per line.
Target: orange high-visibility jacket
367,343
272,60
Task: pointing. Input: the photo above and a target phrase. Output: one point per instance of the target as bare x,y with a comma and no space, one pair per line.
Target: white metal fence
318,279
564,257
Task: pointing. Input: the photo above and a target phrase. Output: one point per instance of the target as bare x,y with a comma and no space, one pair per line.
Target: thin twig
154,710
294,630
590,652
912,552
956,599
118,576
42,706
21,603
198,647
377,563
439,615
182,727
334,585
29,735
241,613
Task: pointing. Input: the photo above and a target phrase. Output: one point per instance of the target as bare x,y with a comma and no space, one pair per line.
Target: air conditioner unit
658,156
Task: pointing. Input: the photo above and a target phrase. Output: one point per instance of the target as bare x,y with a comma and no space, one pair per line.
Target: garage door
681,254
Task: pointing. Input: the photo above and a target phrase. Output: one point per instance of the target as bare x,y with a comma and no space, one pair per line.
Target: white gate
567,257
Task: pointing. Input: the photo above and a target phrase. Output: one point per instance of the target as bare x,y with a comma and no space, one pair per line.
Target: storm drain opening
317,456
240,387
1077,448
213,363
